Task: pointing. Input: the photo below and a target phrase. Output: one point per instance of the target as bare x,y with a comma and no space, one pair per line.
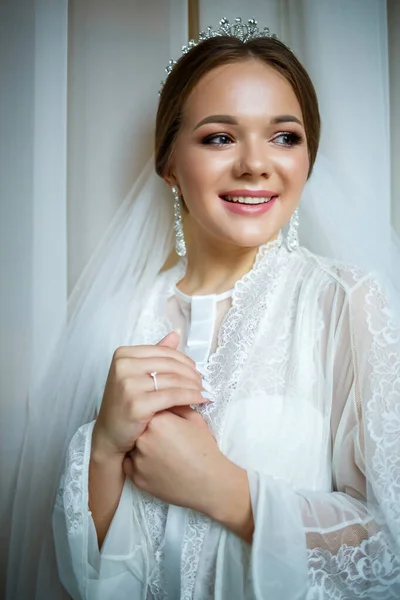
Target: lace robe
305,373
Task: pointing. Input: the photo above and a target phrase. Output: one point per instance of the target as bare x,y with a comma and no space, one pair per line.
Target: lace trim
384,359
70,495
196,528
370,570
366,571
250,299
156,517
153,328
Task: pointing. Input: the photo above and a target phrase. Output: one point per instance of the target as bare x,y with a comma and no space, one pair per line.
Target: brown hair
217,51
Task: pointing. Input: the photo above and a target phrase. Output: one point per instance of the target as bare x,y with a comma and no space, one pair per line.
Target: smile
248,199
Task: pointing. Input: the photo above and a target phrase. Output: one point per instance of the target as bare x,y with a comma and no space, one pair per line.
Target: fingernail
207,396
178,331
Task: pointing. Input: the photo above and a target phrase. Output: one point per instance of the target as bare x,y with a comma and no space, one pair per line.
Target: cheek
199,171
293,167
190,176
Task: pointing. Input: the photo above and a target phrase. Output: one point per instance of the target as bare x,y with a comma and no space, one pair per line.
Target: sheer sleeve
120,569
357,549
344,544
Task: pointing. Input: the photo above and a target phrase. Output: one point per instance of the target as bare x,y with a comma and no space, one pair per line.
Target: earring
180,246
292,239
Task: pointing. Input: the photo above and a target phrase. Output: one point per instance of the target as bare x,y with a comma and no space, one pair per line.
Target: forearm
231,502
106,481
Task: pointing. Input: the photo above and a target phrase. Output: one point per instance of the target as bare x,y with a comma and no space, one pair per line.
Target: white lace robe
306,382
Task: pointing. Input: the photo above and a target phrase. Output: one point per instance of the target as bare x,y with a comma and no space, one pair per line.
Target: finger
171,381
146,406
188,413
153,352
127,466
142,367
171,340
165,399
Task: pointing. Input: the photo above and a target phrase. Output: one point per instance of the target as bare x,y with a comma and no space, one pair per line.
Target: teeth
247,199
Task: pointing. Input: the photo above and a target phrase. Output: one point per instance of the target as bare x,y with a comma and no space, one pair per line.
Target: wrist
102,451
230,503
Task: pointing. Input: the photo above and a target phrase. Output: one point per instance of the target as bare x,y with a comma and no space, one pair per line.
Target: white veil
103,311
339,218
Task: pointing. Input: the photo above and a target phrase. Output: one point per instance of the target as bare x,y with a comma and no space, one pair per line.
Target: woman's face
241,157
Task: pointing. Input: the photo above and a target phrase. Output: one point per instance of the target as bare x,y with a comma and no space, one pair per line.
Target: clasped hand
164,446
176,460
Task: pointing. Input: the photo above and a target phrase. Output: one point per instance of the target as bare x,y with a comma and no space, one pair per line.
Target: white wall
117,52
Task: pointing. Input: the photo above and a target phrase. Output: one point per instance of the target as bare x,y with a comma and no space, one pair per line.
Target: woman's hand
130,402
177,460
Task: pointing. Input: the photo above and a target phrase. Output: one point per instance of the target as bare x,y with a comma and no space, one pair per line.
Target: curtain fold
33,49
393,9
117,52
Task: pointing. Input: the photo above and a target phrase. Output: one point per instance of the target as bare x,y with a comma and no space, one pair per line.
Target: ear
170,178
170,181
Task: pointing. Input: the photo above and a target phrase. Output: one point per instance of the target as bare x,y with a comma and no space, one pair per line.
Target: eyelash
295,139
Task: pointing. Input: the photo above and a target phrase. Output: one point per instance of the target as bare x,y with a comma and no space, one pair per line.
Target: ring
154,376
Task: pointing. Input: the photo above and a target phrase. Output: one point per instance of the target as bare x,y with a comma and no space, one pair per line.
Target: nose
253,160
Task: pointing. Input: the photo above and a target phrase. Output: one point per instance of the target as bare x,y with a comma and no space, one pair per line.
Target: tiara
238,29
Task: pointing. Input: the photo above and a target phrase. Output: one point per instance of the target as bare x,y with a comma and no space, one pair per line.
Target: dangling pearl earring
292,239
180,246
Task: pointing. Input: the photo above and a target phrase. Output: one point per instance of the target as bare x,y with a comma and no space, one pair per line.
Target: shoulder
349,277
365,292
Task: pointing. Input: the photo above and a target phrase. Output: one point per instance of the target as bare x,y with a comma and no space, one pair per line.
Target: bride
245,443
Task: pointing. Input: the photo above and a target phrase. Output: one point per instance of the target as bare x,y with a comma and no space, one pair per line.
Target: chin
255,236
250,240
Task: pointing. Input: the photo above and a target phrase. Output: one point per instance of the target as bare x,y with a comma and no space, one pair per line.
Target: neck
214,268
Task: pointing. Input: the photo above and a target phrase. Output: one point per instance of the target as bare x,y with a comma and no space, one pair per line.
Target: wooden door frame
193,19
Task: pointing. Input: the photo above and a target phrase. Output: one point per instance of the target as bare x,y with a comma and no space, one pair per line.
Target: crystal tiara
238,29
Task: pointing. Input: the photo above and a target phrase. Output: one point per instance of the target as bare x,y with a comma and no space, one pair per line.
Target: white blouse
302,360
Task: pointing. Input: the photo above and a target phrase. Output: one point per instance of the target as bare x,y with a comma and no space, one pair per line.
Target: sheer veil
341,219
104,308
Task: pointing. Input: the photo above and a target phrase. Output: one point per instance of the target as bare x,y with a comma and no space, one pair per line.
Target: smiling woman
256,154
245,442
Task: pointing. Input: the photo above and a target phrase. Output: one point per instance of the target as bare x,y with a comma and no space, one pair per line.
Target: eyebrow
229,120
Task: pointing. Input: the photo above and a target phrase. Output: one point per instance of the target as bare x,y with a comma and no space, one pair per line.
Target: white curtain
117,55
33,294
394,80
90,137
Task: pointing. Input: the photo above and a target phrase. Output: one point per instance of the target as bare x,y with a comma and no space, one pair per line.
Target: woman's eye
288,139
220,139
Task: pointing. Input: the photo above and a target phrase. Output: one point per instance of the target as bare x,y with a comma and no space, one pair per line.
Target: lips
249,193
251,207
249,197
